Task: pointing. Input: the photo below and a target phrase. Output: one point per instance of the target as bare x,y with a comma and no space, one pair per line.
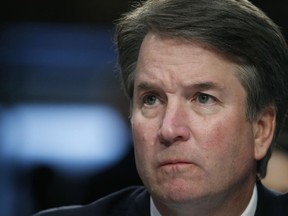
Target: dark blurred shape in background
64,128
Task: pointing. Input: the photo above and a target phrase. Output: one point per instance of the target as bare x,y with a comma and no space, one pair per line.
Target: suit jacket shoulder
133,201
130,201
271,203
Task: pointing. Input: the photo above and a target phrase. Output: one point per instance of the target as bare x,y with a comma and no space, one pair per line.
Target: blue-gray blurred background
64,131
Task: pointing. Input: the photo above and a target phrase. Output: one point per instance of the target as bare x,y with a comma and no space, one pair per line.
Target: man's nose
175,125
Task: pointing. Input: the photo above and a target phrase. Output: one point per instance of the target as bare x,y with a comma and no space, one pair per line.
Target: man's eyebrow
205,86
145,86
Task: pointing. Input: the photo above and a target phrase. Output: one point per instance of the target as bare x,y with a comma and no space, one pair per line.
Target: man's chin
178,192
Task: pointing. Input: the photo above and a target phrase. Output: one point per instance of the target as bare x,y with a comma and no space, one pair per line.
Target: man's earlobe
263,129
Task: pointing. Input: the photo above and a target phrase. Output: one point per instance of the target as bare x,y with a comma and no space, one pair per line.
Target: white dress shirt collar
251,208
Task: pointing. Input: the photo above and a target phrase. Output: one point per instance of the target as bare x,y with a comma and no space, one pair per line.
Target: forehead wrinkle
157,79
205,85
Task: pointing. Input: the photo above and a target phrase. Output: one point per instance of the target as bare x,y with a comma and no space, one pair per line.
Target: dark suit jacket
134,201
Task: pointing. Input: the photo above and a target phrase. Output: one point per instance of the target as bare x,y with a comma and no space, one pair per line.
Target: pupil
203,98
151,99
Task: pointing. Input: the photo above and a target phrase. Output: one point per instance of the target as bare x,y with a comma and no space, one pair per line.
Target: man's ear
263,129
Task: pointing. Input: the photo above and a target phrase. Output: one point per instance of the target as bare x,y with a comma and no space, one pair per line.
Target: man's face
192,139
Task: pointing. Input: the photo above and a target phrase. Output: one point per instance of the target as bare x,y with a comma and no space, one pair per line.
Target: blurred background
64,131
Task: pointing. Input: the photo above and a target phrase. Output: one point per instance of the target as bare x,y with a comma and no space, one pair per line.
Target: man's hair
235,28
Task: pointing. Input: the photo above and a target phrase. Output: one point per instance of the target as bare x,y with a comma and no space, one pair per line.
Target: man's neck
248,211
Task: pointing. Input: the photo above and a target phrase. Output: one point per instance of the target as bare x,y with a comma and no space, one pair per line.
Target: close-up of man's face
191,136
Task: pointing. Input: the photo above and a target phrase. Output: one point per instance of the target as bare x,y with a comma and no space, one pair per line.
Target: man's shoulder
123,202
271,202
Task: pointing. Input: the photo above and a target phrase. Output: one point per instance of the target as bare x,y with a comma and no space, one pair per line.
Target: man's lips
177,166
174,162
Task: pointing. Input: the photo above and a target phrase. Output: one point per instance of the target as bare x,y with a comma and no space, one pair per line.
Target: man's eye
150,100
205,98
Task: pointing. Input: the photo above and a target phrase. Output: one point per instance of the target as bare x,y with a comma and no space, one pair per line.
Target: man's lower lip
175,167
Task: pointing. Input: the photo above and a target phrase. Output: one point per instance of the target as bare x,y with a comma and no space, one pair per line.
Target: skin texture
195,150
